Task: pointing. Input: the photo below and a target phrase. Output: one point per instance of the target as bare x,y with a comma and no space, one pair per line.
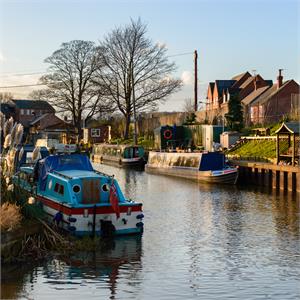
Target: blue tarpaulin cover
62,163
212,161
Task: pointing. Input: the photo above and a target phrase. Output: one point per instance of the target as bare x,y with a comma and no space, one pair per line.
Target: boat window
50,184
76,188
23,175
105,187
58,188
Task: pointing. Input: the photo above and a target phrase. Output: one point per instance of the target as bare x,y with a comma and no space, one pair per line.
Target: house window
95,132
28,112
58,188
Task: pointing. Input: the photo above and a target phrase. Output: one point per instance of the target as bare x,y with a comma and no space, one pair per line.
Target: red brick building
220,91
49,126
28,110
97,134
274,103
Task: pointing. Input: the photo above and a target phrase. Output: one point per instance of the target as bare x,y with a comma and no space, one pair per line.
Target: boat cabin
212,161
121,151
71,179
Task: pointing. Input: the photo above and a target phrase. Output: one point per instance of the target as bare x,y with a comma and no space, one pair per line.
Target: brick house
274,103
49,126
220,91
27,110
97,134
247,101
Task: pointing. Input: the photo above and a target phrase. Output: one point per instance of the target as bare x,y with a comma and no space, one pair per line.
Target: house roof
49,120
270,93
289,127
240,76
223,85
38,119
252,96
247,81
33,104
212,85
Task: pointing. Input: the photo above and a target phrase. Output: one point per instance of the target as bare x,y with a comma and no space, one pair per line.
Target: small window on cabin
59,188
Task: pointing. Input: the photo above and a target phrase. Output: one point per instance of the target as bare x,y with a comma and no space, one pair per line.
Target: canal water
200,242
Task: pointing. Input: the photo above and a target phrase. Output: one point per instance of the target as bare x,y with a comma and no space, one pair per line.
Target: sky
231,37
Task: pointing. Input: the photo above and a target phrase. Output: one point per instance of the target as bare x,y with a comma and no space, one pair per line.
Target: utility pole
196,80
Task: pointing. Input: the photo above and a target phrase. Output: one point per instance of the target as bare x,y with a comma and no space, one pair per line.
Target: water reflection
201,241
115,259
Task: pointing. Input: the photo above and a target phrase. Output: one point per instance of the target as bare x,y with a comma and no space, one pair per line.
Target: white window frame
95,132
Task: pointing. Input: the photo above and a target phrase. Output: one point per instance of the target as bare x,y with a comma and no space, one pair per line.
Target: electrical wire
20,86
44,72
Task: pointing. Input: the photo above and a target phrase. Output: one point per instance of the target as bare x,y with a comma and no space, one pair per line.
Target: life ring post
168,134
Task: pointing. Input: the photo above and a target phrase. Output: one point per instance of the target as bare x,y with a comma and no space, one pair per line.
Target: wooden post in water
277,148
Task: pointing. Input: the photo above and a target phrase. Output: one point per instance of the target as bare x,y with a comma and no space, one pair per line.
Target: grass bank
263,149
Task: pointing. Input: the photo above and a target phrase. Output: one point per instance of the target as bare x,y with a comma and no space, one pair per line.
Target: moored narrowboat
119,155
79,199
208,167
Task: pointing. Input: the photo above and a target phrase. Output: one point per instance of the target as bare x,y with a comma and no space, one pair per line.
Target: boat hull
226,176
82,221
119,162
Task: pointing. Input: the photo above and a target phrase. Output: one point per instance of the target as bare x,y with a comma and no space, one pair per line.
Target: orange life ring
167,134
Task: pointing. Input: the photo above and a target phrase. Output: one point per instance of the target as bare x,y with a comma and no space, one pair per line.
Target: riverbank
282,177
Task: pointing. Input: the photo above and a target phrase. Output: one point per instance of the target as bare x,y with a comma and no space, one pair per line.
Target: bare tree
137,73
6,96
72,71
188,105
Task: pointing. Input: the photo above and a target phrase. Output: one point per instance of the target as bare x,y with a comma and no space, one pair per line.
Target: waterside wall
280,177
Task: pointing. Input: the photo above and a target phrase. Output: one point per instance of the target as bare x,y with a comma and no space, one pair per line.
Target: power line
20,86
22,74
4,74
180,54
44,72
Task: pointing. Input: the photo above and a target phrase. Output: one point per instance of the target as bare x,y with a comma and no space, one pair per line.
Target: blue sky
231,36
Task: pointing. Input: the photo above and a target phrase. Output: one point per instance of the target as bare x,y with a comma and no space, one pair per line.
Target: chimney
255,83
279,79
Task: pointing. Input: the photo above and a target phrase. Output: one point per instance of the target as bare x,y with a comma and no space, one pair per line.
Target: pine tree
234,117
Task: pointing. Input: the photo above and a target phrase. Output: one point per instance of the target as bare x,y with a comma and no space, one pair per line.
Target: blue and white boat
79,199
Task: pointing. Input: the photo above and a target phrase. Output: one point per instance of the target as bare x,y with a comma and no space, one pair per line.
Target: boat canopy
26,158
212,161
61,163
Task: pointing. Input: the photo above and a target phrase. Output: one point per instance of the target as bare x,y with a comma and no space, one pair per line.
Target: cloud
187,78
2,58
161,45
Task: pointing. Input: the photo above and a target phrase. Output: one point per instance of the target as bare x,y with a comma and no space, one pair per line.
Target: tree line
125,72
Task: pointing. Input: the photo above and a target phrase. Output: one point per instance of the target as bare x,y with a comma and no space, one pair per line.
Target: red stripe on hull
80,211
